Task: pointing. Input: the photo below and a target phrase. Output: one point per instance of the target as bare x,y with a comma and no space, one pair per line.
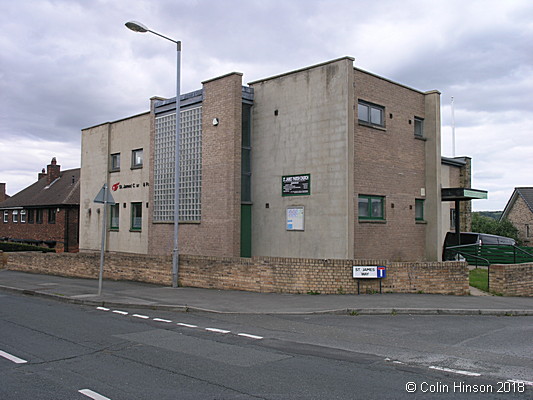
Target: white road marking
250,336
140,316
216,330
162,320
102,308
93,395
187,325
528,383
120,312
455,371
11,357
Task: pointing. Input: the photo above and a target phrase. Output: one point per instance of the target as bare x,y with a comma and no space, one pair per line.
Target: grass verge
479,278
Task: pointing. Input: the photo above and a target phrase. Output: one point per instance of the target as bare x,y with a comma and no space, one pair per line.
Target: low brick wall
257,274
129,267
511,279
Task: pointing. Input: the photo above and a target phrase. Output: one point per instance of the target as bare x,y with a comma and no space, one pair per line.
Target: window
419,210
246,155
528,230
190,201
114,216
371,207
6,217
30,216
115,162
452,218
39,217
52,215
15,216
419,127
136,216
22,216
371,114
137,158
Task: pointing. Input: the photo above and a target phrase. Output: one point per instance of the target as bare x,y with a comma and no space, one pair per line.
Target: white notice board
295,218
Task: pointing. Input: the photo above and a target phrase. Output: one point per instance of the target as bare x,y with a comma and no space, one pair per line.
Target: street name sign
369,271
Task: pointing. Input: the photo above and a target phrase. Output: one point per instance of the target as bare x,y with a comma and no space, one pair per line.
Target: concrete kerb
343,311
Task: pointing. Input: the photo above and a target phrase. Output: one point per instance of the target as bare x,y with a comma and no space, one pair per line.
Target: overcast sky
66,65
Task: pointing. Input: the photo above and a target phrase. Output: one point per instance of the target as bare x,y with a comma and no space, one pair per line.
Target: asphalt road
52,350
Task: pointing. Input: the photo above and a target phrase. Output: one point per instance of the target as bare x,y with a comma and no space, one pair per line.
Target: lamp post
138,27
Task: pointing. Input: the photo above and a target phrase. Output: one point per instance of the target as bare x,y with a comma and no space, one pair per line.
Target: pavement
184,299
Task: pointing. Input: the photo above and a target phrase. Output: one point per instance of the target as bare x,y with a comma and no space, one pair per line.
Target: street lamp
138,27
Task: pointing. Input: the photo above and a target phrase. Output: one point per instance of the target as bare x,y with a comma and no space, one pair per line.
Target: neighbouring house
326,162
45,213
519,210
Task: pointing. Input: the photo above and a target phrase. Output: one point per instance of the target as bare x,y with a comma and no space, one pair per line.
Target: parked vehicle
477,238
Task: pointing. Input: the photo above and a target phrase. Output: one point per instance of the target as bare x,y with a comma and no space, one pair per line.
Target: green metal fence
485,255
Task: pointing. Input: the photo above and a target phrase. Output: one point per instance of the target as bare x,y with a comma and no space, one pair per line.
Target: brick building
45,213
324,162
519,210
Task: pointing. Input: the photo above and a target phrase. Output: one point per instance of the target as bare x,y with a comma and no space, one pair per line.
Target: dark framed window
115,162
31,214
246,154
39,216
371,207
114,213
419,127
137,158
371,114
136,216
419,209
52,215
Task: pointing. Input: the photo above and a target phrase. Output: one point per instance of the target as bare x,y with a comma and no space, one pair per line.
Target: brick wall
511,279
389,162
218,232
257,274
521,216
64,231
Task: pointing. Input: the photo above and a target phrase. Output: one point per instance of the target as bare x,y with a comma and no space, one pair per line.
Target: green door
246,230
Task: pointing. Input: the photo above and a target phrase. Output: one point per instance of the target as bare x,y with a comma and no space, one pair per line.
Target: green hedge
11,247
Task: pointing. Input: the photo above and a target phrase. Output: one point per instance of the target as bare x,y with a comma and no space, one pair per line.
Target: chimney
52,171
2,192
41,175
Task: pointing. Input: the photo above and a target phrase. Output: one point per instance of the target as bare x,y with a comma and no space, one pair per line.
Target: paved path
142,295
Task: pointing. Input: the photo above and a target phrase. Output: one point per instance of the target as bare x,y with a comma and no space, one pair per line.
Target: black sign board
296,185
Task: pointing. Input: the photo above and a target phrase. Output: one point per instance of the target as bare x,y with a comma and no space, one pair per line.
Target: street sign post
104,197
369,272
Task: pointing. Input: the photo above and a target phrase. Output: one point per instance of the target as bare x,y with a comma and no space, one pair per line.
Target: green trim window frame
419,210
114,214
371,208
371,114
136,158
136,217
115,162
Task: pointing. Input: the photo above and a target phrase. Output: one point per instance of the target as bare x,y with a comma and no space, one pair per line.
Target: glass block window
190,166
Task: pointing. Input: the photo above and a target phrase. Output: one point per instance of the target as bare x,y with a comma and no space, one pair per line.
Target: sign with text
370,271
296,185
295,218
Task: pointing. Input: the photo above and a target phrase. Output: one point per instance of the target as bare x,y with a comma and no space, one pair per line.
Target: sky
66,65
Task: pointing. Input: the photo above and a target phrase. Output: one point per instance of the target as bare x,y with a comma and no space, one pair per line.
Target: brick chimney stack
41,175
2,192
52,171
